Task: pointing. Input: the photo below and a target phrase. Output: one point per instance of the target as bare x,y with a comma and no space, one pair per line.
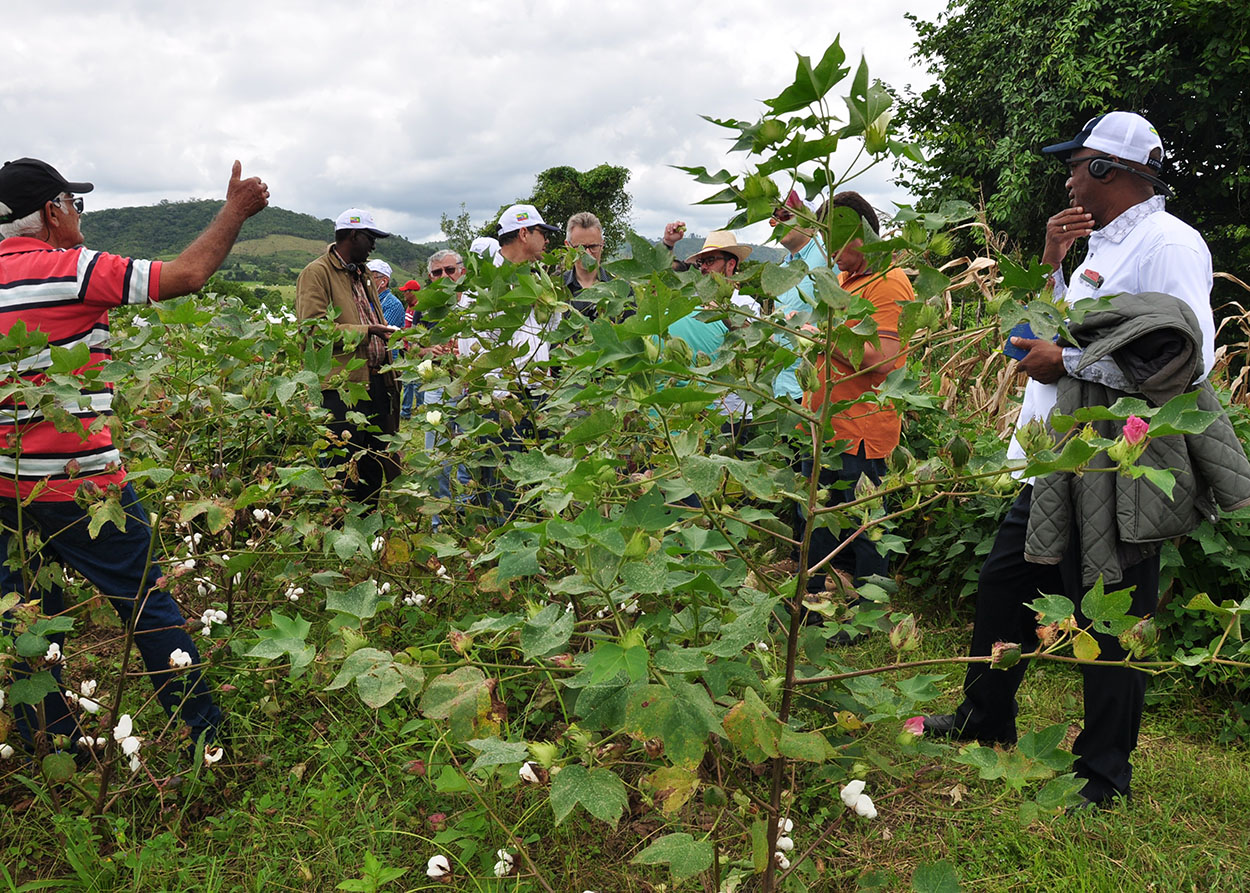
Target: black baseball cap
27,183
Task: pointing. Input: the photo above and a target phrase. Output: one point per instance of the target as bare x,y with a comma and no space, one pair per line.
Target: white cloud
410,108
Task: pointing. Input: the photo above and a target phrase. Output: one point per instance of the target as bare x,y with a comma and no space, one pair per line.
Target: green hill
272,248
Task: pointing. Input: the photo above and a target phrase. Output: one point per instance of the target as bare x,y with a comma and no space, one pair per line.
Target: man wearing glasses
444,264
51,284
585,233
1135,246
720,255
338,283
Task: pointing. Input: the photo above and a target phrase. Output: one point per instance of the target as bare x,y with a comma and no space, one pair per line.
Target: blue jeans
412,397
116,563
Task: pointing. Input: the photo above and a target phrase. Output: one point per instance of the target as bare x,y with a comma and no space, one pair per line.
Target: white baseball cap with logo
1126,135
356,218
380,266
523,217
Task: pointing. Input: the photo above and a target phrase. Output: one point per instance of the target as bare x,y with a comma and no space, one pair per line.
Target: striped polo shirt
66,294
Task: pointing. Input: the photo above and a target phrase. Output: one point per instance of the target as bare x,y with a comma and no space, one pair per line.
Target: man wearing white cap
392,307
1135,246
522,235
336,283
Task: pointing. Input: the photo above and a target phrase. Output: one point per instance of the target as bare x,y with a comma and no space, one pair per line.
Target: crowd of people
49,281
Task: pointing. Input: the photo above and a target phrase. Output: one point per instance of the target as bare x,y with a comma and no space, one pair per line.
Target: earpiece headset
1100,167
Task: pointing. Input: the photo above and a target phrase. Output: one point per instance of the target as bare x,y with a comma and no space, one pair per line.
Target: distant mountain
272,247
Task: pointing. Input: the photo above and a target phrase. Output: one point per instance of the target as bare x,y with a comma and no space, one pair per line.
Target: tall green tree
561,192
1016,75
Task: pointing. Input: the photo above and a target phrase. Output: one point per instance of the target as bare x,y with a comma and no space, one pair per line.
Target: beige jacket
326,283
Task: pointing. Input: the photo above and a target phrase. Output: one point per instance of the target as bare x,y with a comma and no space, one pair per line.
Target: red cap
411,285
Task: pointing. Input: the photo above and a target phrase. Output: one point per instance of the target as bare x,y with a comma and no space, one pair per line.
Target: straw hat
721,240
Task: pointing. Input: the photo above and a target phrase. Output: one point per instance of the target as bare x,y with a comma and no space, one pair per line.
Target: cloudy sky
411,108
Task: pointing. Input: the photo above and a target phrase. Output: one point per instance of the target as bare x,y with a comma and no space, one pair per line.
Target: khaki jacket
326,283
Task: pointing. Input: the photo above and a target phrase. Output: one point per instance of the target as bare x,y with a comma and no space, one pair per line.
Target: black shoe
947,725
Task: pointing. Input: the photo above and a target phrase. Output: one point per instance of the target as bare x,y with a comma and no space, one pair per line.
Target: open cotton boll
437,867
865,807
851,792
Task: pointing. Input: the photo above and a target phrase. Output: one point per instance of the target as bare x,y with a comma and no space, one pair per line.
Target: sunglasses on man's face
443,271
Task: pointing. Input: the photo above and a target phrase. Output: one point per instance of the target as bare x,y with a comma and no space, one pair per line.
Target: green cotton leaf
777,280
759,846
286,636
361,601
684,856
1044,747
106,511
930,282
1099,604
609,660
33,689
1017,278
31,644
681,716
748,627
753,729
532,467
493,752
1163,479
600,792
518,562
649,576
671,788
302,478
378,678
1052,608
1060,793
1180,415
592,427
987,761
1202,602
810,747
703,474
69,359
463,697
680,660
217,517
548,631
935,877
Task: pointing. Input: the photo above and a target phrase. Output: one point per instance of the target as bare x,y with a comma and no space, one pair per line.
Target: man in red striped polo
51,284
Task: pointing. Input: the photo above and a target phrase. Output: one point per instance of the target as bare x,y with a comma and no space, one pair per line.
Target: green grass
315,781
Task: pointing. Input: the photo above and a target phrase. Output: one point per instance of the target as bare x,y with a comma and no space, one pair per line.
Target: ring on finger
1065,228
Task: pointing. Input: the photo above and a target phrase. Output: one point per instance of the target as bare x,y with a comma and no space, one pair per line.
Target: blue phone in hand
1020,330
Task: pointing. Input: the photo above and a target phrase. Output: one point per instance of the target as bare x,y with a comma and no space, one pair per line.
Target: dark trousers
860,559
1114,696
375,464
116,563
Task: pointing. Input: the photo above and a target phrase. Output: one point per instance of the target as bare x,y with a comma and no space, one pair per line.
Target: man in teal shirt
803,244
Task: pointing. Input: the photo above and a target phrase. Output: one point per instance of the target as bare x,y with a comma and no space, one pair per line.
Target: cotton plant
856,800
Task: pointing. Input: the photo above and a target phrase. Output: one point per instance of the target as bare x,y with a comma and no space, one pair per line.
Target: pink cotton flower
915,725
1135,430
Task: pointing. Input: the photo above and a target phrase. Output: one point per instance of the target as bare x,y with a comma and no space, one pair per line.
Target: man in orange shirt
866,432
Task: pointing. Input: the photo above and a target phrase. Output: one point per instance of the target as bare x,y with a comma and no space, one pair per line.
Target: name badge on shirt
1093,278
